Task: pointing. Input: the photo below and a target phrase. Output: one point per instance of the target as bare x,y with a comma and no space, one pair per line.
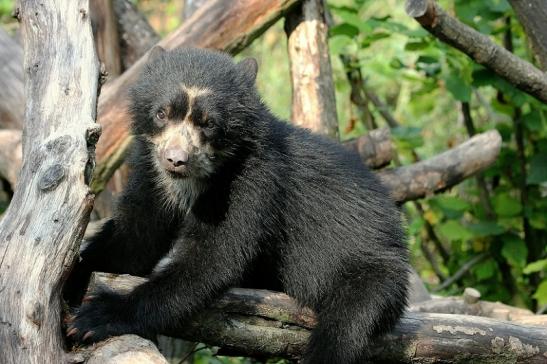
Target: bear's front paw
102,314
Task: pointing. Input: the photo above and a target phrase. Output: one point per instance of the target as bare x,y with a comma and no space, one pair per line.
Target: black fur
283,209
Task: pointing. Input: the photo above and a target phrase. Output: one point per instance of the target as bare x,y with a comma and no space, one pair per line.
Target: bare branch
479,47
532,15
444,170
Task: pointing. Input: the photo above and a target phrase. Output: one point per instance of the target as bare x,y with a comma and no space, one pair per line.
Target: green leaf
485,270
514,250
453,230
538,169
537,266
416,45
541,293
506,205
338,43
452,203
344,29
485,228
458,87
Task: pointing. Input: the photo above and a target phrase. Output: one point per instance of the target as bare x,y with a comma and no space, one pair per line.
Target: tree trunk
41,230
313,100
532,14
12,99
267,324
227,25
105,33
136,35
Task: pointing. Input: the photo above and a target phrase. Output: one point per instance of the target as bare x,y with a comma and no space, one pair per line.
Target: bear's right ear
155,53
249,68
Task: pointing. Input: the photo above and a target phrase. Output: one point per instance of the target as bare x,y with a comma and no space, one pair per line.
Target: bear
224,194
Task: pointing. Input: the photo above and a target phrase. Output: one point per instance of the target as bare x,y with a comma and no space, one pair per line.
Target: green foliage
424,82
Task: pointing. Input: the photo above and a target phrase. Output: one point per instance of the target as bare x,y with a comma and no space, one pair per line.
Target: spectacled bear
224,194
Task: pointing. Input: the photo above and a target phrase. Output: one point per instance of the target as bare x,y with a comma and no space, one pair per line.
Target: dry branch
41,230
313,100
532,15
136,35
479,47
444,170
226,25
12,98
374,148
261,323
125,349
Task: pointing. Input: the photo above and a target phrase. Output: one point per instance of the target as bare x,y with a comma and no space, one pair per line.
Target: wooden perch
260,323
46,219
479,47
313,100
12,98
374,148
226,25
125,349
444,170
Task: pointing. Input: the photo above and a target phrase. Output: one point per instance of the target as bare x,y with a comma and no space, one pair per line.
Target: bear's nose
176,156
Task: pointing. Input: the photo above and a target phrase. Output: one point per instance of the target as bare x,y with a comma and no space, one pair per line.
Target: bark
136,35
532,15
374,148
313,100
190,7
444,170
46,219
226,25
125,349
479,47
267,324
12,99
105,32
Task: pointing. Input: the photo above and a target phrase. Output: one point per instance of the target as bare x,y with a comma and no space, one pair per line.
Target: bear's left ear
249,68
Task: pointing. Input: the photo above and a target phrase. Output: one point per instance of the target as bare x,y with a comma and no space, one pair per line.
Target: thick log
136,34
532,15
495,310
41,230
105,33
262,323
227,25
313,100
444,170
12,98
479,47
374,148
125,349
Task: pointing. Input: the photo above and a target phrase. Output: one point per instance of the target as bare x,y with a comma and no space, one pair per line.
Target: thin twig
461,272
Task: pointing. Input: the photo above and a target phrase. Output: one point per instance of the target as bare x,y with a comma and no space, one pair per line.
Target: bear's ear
249,68
155,53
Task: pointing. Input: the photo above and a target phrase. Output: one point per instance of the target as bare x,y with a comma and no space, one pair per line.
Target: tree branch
444,170
264,324
532,15
479,47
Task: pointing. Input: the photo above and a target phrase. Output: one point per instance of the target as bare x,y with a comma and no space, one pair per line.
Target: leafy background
424,84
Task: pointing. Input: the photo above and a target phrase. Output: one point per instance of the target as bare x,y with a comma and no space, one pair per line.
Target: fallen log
479,47
45,221
262,324
443,171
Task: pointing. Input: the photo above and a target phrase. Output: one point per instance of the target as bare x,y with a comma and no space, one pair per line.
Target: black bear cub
223,194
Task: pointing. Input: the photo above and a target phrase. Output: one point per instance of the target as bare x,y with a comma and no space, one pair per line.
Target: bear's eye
161,115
